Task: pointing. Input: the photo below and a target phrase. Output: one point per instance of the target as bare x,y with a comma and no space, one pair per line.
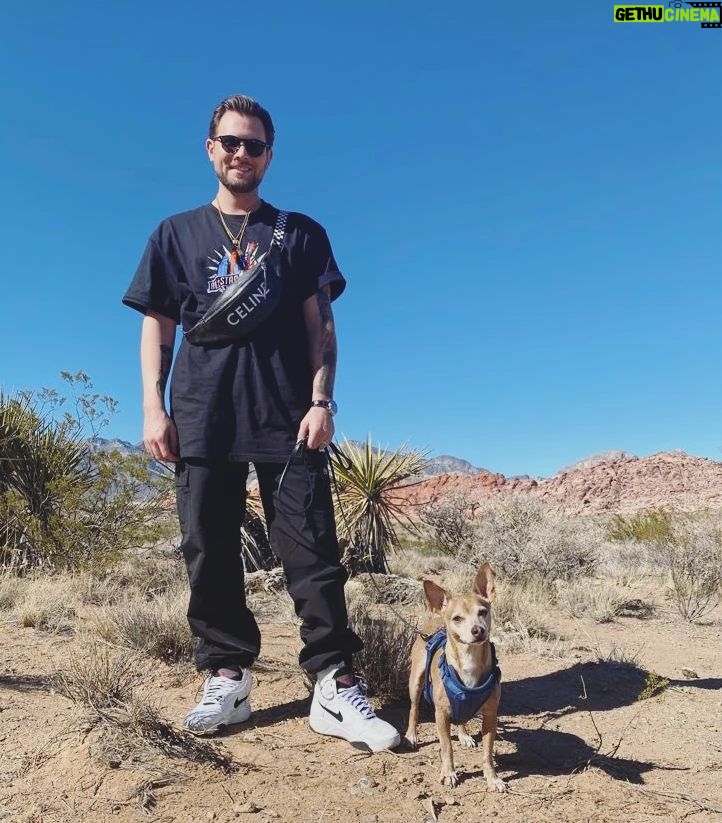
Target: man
251,400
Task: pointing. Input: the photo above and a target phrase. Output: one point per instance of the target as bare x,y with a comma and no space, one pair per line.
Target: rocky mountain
613,481
620,483
446,464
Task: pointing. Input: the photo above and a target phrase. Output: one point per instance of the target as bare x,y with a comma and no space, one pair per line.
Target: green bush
63,506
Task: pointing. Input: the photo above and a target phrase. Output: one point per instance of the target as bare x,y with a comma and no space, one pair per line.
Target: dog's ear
436,597
484,582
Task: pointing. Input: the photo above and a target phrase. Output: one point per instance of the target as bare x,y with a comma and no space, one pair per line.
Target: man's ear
436,597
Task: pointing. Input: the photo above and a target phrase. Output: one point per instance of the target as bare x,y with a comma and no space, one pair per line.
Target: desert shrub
385,659
158,627
450,522
692,557
687,548
651,526
523,541
62,504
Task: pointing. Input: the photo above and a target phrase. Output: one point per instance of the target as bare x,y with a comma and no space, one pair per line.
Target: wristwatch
329,405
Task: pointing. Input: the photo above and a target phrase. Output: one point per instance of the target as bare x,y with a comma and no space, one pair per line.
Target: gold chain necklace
238,258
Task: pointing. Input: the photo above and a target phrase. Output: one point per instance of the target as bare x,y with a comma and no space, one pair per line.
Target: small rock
690,674
367,782
450,801
246,808
211,816
114,763
415,794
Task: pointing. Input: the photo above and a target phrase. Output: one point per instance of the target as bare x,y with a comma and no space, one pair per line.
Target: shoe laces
356,696
217,688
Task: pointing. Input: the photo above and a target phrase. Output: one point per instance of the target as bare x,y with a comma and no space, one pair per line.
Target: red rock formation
622,484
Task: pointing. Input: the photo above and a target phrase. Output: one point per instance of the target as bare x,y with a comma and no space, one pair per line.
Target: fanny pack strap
279,230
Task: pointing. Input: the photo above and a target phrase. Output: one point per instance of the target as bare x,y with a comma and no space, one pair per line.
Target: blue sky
524,198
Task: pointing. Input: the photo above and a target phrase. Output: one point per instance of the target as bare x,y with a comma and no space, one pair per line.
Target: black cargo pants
211,505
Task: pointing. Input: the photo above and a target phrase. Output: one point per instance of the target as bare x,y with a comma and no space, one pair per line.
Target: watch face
332,407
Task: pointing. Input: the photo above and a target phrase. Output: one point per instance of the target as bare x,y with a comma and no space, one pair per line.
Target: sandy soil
575,742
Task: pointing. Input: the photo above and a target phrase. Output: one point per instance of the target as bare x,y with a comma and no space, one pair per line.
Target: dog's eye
457,618
482,612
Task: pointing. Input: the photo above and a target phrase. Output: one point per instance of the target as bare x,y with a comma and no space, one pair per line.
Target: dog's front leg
416,687
443,726
488,735
465,738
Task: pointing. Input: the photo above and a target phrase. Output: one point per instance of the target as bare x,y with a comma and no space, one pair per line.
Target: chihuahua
456,669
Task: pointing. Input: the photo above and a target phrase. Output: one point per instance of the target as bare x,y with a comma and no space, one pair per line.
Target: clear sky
524,198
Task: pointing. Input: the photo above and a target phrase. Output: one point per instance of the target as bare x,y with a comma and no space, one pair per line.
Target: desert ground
611,719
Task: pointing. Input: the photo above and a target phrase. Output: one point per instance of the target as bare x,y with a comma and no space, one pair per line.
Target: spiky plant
368,514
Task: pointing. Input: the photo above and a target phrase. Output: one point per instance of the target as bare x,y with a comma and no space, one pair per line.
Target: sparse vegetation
688,549
523,542
367,515
157,627
450,521
597,599
384,661
654,685
62,505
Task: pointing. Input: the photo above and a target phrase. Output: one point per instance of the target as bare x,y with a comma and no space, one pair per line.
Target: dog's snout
476,630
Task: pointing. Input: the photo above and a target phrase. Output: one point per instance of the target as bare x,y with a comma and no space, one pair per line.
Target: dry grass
99,680
384,661
156,627
48,604
11,591
598,599
104,682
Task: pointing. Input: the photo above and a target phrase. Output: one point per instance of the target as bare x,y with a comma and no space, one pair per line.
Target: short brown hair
243,105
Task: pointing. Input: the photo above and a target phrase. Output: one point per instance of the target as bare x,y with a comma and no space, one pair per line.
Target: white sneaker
344,712
225,702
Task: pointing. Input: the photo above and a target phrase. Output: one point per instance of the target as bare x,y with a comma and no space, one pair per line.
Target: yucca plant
368,514
41,462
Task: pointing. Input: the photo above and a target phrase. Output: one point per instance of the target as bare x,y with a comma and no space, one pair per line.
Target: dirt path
576,743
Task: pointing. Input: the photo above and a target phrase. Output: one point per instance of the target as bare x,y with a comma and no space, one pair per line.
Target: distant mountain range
443,464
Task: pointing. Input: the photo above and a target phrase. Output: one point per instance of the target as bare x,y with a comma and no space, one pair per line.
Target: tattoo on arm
166,358
325,376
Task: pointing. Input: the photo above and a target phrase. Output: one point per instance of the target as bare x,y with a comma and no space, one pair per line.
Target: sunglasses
231,144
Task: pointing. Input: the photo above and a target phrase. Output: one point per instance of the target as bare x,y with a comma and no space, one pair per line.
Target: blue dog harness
465,702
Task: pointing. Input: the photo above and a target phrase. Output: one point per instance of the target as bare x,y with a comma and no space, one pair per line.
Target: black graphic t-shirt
242,401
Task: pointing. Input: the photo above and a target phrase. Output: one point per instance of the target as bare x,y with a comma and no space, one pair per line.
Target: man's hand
160,436
316,428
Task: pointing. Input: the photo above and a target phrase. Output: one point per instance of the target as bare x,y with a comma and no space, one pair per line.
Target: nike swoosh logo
237,702
337,715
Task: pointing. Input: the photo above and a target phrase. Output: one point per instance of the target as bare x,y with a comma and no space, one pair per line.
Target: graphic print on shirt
226,266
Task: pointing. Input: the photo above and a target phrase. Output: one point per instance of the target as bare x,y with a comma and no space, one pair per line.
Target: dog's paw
448,777
467,740
496,784
411,740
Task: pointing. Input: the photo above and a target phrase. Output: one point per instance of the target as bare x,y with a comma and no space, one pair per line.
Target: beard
245,185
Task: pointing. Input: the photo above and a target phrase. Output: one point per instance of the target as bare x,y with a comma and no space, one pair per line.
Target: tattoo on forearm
166,358
325,376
